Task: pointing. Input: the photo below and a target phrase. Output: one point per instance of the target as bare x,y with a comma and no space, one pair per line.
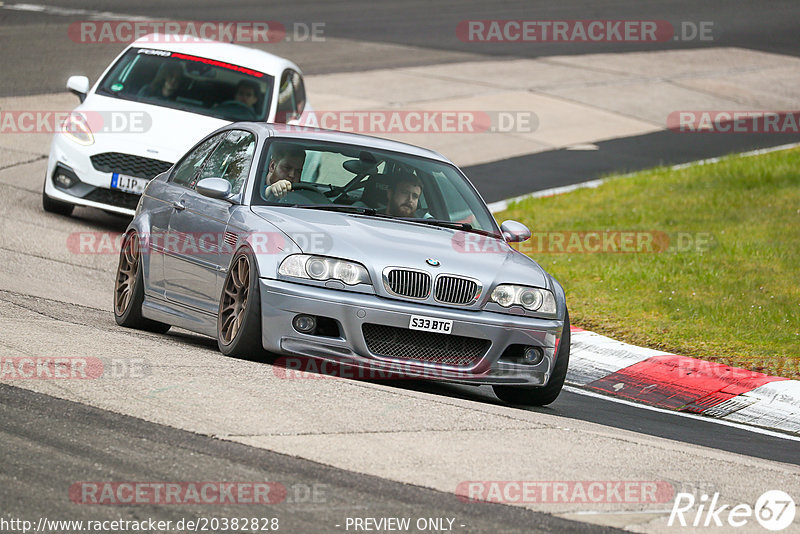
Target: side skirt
181,316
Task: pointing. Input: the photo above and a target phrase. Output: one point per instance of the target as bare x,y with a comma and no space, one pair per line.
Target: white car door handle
178,205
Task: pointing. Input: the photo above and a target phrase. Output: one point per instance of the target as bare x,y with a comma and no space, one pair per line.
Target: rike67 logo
774,510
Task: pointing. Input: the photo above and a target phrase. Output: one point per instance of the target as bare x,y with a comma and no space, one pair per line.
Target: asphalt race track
428,27
372,449
318,497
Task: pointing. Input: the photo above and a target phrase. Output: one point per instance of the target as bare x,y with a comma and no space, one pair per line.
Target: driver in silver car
285,169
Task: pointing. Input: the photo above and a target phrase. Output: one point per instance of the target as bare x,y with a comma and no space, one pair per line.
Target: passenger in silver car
403,196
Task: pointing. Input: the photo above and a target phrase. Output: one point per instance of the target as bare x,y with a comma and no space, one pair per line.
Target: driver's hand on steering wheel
279,188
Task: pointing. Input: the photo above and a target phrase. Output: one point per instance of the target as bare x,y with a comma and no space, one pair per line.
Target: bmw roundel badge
432,262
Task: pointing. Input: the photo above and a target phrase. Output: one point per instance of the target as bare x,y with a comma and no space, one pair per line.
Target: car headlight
77,129
530,298
323,268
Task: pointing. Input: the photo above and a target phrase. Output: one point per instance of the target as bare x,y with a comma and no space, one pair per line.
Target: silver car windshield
370,182
190,83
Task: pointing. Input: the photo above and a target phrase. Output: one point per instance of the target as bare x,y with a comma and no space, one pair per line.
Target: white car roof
229,53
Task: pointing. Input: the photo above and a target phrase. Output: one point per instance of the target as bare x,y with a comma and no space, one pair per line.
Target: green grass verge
726,288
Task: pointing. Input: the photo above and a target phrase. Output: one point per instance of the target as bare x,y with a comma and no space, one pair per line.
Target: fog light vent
532,355
305,324
523,354
64,181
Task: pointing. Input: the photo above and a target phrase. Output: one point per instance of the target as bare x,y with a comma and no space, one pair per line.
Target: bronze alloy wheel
234,299
127,273
129,288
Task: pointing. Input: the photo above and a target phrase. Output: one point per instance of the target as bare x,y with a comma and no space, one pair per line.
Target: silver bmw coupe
337,247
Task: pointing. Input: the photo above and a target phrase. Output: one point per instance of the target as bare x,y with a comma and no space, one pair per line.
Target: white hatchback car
153,103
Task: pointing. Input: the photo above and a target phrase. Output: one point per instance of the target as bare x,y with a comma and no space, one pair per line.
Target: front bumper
281,301
94,189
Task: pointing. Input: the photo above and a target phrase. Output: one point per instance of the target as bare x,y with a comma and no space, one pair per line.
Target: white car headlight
322,268
530,298
76,128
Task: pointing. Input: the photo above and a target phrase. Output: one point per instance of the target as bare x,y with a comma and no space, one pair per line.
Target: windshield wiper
439,222
448,224
360,210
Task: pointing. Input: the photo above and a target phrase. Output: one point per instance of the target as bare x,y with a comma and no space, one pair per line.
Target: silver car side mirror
515,232
79,86
214,188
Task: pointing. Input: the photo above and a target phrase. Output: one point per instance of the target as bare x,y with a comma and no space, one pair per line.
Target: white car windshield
190,83
371,182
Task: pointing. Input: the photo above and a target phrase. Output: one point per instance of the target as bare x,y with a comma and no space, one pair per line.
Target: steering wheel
300,186
237,108
234,102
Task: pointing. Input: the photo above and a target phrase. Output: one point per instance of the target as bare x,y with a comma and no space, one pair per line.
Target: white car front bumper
95,186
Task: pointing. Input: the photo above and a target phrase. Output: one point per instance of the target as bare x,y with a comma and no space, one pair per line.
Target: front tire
541,396
52,205
239,315
129,289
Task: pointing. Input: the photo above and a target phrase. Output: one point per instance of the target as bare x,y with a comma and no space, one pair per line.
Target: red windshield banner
216,63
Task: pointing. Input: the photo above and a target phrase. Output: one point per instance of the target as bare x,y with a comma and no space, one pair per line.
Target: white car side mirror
78,85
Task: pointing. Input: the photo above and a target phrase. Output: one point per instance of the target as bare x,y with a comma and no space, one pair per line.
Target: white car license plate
129,184
430,324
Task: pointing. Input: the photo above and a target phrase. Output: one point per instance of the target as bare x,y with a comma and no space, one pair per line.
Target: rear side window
291,97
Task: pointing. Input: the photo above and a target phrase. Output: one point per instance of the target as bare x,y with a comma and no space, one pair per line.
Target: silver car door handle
178,205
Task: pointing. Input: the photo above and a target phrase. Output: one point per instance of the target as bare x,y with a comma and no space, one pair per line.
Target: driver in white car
285,169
